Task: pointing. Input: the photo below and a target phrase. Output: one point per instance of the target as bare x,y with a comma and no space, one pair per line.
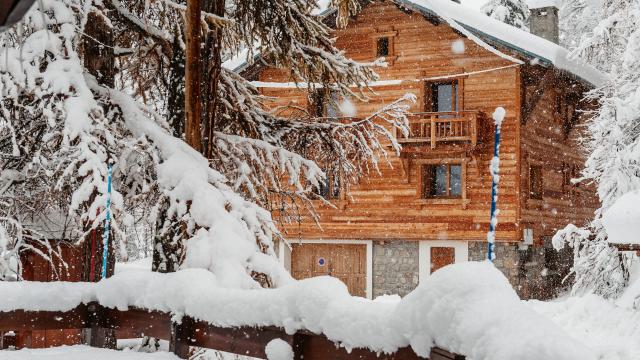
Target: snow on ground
136,265
467,308
81,352
612,331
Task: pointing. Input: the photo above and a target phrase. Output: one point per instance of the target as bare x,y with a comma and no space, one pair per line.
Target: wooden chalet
430,205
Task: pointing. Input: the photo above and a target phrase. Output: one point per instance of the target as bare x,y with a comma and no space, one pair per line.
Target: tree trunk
213,65
99,60
192,75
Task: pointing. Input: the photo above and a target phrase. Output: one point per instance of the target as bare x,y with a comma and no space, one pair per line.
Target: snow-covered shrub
598,268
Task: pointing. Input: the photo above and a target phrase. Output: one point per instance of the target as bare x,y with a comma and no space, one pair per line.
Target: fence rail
101,323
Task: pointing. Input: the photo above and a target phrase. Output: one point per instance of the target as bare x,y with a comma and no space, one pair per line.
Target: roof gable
487,33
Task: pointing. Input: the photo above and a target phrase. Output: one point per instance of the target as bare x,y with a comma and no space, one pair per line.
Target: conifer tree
613,142
512,12
60,124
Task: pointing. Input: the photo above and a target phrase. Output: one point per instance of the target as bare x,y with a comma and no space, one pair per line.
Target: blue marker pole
494,197
105,237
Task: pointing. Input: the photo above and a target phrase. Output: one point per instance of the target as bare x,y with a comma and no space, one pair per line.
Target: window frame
461,199
386,47
390,33
330,185
320,101
426,194
429,100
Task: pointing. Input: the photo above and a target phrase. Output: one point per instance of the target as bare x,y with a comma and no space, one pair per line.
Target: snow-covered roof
494,31
487,31
537,4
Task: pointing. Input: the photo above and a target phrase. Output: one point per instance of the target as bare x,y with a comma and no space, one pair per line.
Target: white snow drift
467,308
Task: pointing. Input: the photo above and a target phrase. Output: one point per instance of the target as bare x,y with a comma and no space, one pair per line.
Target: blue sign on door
321,261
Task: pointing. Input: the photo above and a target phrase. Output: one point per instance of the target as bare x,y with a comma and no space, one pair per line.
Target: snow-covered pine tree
512,12
60,124
614,140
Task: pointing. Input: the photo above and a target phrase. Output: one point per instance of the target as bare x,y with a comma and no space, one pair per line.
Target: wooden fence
104,325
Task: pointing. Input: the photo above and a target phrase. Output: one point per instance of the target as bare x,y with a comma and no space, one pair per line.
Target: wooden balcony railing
434,127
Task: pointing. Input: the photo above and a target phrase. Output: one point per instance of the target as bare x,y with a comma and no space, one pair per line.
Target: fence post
179,342
98,335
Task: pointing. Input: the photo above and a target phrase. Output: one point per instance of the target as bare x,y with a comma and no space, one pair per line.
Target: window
382,46
316,103
569,172
442,97
442,181
331,186
323,104
535,182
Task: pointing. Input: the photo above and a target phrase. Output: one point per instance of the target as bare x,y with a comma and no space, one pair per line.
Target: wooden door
347,262
441,257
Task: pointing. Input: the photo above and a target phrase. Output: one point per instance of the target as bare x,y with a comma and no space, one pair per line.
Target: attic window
382,47
382,44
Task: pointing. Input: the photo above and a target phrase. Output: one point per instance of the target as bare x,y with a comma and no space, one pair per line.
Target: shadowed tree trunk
192,75
212,60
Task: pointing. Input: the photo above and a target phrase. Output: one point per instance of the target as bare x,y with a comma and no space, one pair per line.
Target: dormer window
382,47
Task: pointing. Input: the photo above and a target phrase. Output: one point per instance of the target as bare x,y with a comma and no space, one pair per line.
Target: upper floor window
569,172
441,181
535,182
323,104
382,41
331,187
382,46
442,97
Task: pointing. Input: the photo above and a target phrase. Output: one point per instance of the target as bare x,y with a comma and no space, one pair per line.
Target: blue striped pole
105,237
494,197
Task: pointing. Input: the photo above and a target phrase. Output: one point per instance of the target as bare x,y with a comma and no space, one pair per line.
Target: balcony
441,127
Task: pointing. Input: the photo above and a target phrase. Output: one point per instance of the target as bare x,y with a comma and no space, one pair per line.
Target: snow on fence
187,332
466,308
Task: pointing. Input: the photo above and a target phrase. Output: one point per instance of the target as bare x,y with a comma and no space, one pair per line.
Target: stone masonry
522,267
395,267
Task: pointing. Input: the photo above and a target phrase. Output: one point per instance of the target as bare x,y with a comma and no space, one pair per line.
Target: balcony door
442,96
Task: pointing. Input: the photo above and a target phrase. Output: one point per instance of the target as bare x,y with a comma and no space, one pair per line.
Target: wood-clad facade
539,149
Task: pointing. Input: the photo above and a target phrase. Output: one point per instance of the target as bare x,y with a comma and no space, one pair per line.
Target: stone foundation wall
395,267
525,269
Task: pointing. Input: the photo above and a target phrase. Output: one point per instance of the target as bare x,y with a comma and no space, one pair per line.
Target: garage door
347,262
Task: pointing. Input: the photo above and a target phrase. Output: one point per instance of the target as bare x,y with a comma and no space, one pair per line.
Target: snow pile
622,219
471,309
143,264
278,349
467,308
610,330
81,352
536,4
